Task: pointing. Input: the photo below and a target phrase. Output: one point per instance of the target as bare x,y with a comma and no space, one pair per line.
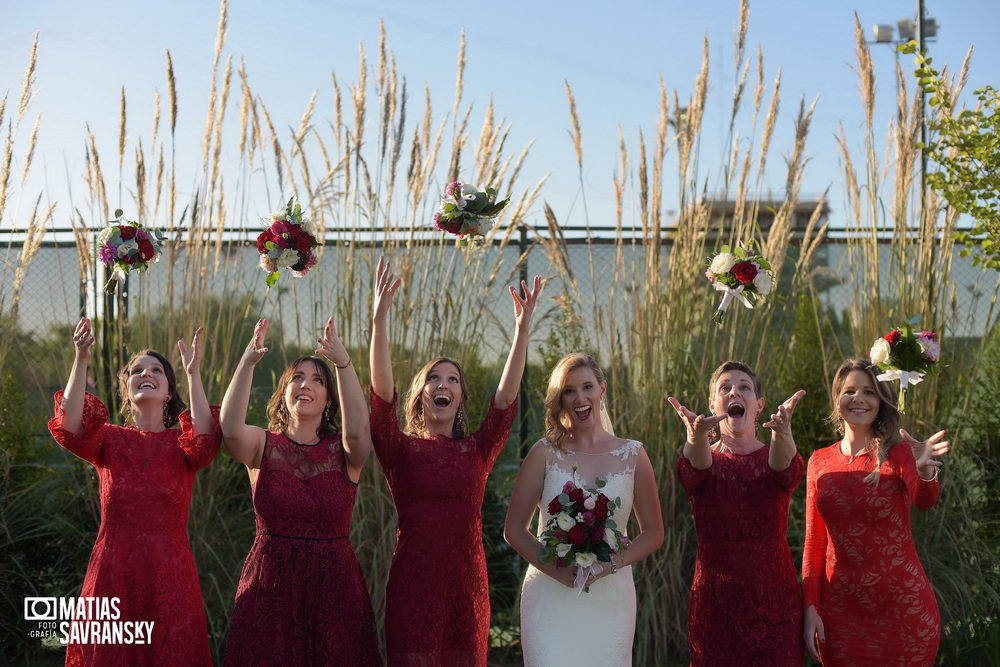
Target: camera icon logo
40,609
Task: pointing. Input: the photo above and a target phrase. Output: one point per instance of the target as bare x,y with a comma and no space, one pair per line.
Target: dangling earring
166,419
326,413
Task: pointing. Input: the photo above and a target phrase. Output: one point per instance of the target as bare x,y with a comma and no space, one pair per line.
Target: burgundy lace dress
302,598
745,606
437,599
860,567
142,555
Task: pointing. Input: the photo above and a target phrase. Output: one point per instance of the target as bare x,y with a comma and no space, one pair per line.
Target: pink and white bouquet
741,274
286,243
582,531
905,355
466,211
126,246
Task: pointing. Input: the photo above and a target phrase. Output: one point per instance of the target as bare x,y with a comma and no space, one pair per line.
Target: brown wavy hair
277,411
887,422
556,429
172,407
414,409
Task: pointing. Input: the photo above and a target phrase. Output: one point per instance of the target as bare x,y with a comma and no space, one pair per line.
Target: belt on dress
293,537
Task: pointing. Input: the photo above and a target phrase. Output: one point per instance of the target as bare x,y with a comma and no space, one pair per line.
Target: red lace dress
142,555
860,567
745,606
437,608
302,598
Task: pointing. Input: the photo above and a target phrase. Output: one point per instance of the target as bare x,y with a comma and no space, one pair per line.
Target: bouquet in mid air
466,211
582,530
742,274
286,243
905,355
126,246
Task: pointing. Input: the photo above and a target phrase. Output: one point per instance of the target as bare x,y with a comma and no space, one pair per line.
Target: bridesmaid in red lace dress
867,599
146,473
437,598
745,605
302,598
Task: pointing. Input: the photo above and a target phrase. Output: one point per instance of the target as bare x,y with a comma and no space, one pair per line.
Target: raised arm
244,443
783,448
201,412
510,380
697,449
357,435
76,385
926,452
386,285
523,504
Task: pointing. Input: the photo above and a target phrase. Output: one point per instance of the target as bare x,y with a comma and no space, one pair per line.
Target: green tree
966,149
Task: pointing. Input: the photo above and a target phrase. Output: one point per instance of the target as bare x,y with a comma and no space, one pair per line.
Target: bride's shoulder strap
628,449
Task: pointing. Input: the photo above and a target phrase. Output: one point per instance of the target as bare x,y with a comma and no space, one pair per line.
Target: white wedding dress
558,627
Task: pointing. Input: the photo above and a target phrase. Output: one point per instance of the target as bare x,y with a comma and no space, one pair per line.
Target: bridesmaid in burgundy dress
302,598
745,605
437,598
867,599
146,473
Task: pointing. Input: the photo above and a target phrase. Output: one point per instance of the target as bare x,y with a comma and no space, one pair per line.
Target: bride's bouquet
905,355
739,274
286,243
127,246
582,531
465,211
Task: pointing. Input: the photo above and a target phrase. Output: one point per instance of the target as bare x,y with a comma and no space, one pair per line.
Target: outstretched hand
191,356
331,347
927,451
386,285
523,308
255,349
83,339
781,421
698,426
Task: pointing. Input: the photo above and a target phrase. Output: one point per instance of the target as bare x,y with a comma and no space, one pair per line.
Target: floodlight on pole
883,33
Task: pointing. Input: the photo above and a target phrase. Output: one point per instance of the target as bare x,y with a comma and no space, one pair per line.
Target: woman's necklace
294,442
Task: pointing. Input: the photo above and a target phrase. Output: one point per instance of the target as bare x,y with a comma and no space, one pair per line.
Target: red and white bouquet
739,274
905,355
126,246
286,243
582,531
466,211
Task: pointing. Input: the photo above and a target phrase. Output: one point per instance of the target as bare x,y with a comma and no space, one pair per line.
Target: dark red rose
744,272
597,533
128,232
130,259
601,507
146,251
303,243
450,227
555,506
262,239
893,337
577,534
576,495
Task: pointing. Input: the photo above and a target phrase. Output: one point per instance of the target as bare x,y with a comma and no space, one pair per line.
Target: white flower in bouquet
279,215
128,247
563,549
611,538
722,263
880,352
585,559
288,257
763,282
565,521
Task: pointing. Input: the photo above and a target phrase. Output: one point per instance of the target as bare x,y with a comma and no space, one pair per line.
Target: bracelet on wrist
345,365
933,477
614,565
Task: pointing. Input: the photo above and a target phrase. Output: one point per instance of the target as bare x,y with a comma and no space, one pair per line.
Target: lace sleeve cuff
690,477
790,477
200,448
87,445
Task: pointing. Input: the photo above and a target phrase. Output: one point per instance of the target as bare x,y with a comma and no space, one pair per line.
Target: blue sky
518,52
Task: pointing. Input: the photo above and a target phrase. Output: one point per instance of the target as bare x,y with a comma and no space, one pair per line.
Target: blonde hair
886,425
556,421
277,411
172,407
414,409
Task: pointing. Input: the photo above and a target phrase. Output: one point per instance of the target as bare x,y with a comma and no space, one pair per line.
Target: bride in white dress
559,625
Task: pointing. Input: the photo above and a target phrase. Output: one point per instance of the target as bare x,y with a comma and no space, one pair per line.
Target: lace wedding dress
558,626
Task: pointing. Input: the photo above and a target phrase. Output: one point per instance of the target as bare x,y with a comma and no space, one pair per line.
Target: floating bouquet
905,355
466,211
739,274
125,246
286,243
582,531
